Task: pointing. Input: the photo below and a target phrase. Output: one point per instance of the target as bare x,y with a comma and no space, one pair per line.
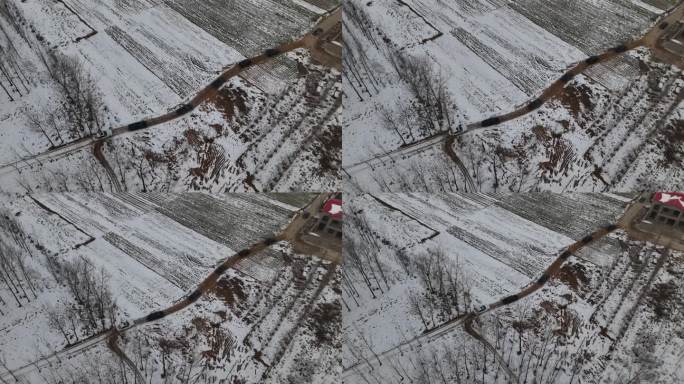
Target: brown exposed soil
576,98
227,99
662,298
671,141
231,291
325,322
560,155
328,151
174,344
541,133
193,137
549,307
574,276
211,159
217,127
201,324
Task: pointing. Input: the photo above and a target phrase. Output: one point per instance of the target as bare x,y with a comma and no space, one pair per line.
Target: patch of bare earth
559,152
671,141
231,291
576,98
328,151
325,322
663,299
574,275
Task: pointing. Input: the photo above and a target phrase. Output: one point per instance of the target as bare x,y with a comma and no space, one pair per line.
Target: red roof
672,199
333,207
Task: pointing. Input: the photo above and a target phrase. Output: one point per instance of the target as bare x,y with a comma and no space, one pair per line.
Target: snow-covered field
275,128
273,318
613,314
618,127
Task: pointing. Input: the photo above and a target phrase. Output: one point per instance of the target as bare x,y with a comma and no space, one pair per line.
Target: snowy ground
275,128
611,315
274,318
618,126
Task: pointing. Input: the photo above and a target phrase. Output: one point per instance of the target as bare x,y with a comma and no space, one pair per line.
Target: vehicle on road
103,133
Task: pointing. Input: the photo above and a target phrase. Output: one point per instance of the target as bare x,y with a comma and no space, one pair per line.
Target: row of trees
95,308
14,273
431,104
80,110
361,250
445,292
526,343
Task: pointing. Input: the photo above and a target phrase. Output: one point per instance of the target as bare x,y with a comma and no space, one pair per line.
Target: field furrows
613,113
324,4
249,26
318,122
183,275
620,328
143,203
660,119
520,74
294,314
570,215
636,126
85,217
529,263
167,72
256,215
286,127
616,74
285,342
265,266
591,26
273,315
408,205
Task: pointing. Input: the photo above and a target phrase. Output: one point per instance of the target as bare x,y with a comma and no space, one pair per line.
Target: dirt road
309,41
468,319
651,39
550,272
290,233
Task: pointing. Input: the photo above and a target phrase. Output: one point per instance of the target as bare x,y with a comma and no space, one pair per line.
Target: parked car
103,133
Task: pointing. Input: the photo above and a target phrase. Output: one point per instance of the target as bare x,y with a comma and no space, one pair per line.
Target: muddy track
310,40
449,149
99,155
112,343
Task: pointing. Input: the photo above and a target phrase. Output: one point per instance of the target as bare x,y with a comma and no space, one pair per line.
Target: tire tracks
99,155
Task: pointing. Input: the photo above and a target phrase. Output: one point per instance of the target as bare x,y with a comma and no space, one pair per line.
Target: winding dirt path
309,41
449,149
99,155
290,233
550,272
468,319
651,40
